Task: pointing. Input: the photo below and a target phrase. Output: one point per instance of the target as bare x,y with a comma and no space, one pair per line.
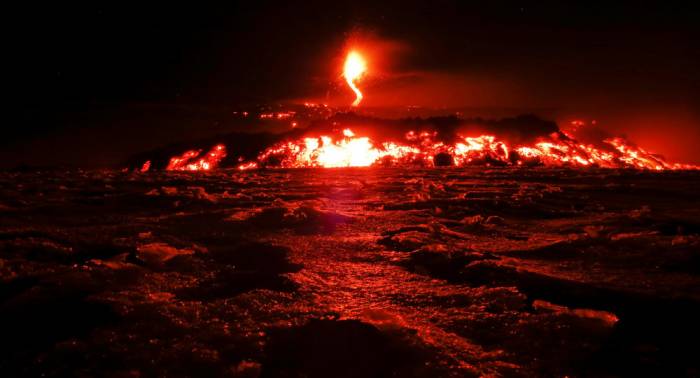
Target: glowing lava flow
324,152
355,67
188,161
423,148
420,149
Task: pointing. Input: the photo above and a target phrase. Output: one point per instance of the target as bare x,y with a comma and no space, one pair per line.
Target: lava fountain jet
355,67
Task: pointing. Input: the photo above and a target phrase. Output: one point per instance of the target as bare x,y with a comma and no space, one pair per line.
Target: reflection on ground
350,272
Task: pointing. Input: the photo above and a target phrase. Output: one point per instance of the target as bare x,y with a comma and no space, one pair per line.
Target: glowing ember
189,162
280,115
355,67
145,167
248,165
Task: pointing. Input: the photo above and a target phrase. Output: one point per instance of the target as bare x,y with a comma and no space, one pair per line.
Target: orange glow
247,166
188,161
280,115
355,68
347,149
419,149
639,158
325,152
145,167
479,148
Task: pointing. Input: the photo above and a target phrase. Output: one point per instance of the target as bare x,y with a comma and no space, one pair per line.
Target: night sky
93,84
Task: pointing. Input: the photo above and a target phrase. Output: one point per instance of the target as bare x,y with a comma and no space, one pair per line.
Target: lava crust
350,272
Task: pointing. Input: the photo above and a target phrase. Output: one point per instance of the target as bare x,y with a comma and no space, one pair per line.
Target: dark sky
75,69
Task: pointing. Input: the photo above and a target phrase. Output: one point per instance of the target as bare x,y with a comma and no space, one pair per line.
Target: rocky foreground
350,273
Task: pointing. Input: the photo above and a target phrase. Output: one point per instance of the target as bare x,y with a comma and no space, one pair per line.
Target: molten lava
189,161
324,152
420,149
355,68
426,148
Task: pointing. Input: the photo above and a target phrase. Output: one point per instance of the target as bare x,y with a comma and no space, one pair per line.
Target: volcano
420,189
344,139
348,243
384,246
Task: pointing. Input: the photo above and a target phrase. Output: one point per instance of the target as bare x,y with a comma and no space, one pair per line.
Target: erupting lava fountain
355,68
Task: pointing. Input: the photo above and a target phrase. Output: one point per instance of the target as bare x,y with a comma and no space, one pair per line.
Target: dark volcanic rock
246,267
304,218
256,256
500,272
406,241
443,160
440,261
35,315
345,348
